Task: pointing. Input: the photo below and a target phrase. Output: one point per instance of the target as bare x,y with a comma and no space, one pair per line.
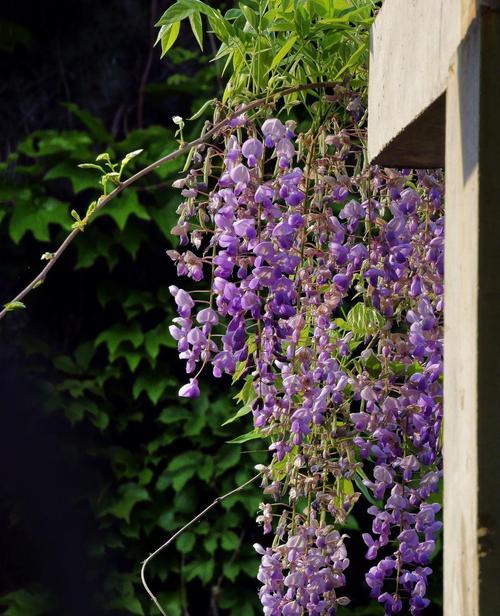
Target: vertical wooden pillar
472,324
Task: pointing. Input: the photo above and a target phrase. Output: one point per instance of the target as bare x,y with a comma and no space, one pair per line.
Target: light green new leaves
268,45
170,22
10,306
362,321
285,48
197,28
168,35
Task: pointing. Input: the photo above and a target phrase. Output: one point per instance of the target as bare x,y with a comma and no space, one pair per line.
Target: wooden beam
412,43
421,144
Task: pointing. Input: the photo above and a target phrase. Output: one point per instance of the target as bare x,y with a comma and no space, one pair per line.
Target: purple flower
285,152
341,282
273,130
283,265
245,227
183,300
190,390
392,603
207,315
252,150
240,174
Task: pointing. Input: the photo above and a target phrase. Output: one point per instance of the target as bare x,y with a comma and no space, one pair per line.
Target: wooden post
472,324
417,64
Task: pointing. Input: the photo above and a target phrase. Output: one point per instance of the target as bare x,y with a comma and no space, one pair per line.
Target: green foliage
23,602
267,45
362,321
161,459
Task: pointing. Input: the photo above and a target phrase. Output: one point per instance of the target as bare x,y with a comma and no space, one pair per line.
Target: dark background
85,430
97,54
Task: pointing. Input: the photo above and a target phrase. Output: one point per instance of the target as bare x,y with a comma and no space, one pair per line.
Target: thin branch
147,67
267,100
218,500
216,589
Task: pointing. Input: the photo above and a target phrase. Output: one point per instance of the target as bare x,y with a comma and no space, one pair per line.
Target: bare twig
267,100
216,588
218,500
116,120
147,66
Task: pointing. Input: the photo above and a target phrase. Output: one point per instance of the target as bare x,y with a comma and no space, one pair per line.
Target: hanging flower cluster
326,299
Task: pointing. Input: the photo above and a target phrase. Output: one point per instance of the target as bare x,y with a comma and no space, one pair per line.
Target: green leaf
202,7
358,480
249,566
10,306
251,16
245,410
171,415
205,470
152,383
119,333
249,436
130,495
355,57
13,36
227,457
247,392
91,166
99,420
131,155
157,337
95,125
210,543
232,14
351,523
230,541
185,542
230,569
83,354
175,13
241,366
173,602
364,321
197,28
414,368
80,179
202,109
23,602
145,476
130,603
285,48
124,205
133,358
165,217
187,458
91,246
169,36
203,570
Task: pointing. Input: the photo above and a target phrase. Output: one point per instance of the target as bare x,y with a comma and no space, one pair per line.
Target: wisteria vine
326,300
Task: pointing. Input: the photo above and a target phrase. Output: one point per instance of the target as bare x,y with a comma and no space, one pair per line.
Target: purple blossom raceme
326,298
